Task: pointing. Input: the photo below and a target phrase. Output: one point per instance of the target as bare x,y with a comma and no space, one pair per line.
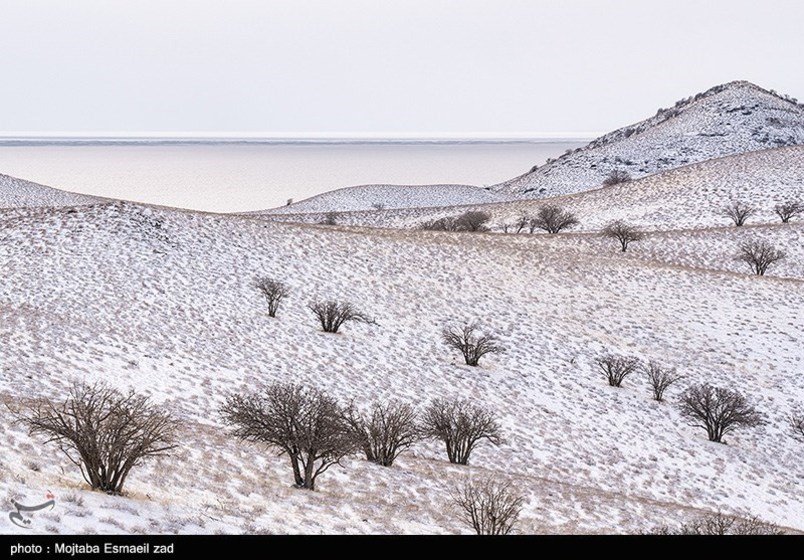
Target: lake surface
231,177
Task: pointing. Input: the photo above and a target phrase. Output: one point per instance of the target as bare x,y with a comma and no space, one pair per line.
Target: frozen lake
228,177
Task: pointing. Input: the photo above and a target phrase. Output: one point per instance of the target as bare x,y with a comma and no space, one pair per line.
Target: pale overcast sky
380,67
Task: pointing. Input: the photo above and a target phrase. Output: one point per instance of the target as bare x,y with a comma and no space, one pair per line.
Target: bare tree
274,292
789,209
718,411
488,506
333,314
102,431
739,212
329,219
623,233
461,425
616,368
505,227
448,223
471,344
523,221
616,177
797,423
660,378
386,431
759,255
553,219
719,524
303,423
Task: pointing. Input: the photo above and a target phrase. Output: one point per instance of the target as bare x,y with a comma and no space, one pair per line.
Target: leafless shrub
329,219
304,423
333,314
553,219
616,368
719,524
739,212
274,292
660,378
759,255
378,206
523,221
718,411
488,506
471,344
102,431
386,431
797,423
789,209
623,233
616,177
447,223
461,425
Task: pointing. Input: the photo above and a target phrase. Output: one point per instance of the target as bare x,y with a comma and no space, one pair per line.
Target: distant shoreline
77,141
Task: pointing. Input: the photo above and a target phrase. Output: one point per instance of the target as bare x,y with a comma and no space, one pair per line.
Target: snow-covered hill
163,301
728,119
20,193
379,197
692,196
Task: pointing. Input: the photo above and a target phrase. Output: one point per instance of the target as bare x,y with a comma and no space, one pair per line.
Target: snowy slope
368,197
163,301
728,119
692,196
18,192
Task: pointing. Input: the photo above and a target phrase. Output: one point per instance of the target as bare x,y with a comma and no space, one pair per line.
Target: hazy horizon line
294,136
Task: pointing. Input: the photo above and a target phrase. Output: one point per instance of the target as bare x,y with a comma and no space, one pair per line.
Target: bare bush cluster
739,212
616,177
104,432
274,292
759,255
303,423
720,524
333,314
461,425
616,368
660,378
387,430
624,233
789,209
488,506
472,344
471,221
717,410
553,219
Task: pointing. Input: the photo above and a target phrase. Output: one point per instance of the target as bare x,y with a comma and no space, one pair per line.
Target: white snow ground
163,301
18,192
373,197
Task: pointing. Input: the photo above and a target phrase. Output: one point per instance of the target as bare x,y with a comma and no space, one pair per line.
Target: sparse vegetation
461,425
624,233
616,177
759,255
274,292
333,314
488,506
616,368
553,219
719,524
329,219
470,342
104,432
660,379
303,423
386,431
789,210
719,411
797,423
739,212
471,221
